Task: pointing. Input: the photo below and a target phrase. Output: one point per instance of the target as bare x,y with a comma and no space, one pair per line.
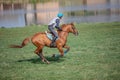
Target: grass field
94,55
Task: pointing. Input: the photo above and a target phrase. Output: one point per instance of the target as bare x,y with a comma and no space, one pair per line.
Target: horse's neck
63,35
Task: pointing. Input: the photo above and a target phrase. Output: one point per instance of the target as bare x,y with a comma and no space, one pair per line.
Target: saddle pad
49,35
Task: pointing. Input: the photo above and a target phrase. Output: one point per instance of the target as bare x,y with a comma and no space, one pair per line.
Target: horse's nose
76,33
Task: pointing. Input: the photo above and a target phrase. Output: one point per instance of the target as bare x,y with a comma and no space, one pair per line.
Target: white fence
76,13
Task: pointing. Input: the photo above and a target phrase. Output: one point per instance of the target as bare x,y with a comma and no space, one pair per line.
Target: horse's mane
64,25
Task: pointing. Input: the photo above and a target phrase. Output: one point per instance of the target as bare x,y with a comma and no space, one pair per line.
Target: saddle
49,35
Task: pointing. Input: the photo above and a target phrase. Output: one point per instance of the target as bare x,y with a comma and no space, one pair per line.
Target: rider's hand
59,29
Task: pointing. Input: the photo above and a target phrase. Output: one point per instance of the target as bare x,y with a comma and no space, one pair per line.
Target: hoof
48,62
53,55
45,61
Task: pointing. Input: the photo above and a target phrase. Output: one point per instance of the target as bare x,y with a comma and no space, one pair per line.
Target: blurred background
20,13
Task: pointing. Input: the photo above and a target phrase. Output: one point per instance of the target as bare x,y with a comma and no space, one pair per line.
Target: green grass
94,55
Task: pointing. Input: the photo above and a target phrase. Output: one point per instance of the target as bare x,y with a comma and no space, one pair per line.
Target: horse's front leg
67,49
60,48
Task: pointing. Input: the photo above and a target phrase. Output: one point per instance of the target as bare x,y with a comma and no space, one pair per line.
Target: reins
64,31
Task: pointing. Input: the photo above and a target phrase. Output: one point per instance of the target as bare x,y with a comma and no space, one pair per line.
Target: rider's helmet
60,15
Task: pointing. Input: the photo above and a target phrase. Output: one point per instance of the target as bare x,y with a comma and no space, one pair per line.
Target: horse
40,40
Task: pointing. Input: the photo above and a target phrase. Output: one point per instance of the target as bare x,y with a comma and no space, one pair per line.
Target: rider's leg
54,38
55,35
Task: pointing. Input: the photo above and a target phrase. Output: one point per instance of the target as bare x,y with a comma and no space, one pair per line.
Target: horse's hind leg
38,51
44,59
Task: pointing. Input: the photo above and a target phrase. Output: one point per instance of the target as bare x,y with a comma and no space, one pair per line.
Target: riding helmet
60,15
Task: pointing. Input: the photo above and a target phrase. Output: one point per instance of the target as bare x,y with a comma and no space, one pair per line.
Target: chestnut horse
40,40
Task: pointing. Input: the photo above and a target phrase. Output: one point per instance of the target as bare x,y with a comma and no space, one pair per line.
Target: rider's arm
57,24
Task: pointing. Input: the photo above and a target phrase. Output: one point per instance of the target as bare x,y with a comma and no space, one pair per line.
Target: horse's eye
73,27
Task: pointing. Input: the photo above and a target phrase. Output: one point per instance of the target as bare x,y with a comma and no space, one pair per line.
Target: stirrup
52,44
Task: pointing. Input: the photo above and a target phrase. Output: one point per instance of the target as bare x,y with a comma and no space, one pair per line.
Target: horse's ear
72,23
63,24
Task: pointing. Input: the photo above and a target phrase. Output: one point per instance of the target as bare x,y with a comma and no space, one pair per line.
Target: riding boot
53,42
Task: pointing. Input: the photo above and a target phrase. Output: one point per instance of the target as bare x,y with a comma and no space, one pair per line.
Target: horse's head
72,29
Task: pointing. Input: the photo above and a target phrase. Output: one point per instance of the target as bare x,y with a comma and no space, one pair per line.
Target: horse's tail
24,43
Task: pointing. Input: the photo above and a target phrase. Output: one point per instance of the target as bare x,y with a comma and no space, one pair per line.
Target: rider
55,24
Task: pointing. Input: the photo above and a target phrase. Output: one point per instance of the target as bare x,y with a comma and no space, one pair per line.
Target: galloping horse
40,40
